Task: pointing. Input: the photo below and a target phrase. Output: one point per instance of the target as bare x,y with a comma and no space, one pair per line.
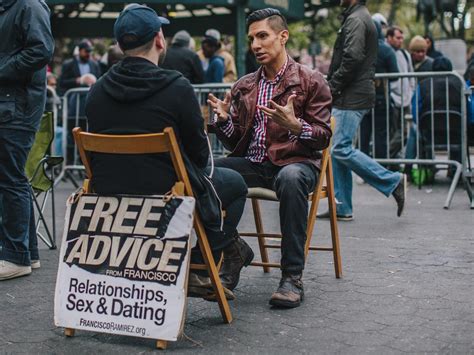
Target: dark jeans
379,143
232,191
292,184
18,240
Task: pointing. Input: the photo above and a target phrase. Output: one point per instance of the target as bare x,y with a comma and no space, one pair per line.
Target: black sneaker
290,292
340,217
400,194
236,256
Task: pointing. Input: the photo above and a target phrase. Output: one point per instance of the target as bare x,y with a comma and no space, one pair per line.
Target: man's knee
341,151
225,178
294,178
236,180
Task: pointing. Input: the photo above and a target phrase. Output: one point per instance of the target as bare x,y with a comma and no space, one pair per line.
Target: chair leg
48,241
259,227
333,222
212,269
53,210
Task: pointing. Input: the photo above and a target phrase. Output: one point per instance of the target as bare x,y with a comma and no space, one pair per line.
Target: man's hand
219,107
283,115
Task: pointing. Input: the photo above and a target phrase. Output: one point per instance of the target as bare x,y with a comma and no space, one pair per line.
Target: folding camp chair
147,144
38,164
321,190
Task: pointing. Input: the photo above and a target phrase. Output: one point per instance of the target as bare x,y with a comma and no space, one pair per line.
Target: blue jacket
386,59
24,54
215,70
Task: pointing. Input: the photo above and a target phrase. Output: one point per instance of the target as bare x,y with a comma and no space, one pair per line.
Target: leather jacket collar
350,10
290,78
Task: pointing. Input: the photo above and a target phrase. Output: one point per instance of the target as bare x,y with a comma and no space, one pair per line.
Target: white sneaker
9,270
35,264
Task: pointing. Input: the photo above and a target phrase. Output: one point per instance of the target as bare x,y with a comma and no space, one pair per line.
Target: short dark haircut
211,41
274,17
144,48
428,36
391,31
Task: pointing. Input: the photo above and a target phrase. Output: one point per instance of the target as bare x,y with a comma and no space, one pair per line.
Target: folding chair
38,164
321,190
148,144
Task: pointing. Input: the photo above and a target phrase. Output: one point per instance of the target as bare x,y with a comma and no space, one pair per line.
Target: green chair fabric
39,180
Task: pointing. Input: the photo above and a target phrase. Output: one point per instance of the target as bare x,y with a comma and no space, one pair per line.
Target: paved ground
407,288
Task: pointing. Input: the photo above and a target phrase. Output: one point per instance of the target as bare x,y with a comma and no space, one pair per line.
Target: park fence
427,130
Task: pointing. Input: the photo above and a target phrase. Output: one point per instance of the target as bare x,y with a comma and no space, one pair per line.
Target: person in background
401,90
179,57
80,71
251,64
230,70
431,52
378,17
386,63
113,56
51,96
216,67
431,99
26,48
418,48
351,78
470,107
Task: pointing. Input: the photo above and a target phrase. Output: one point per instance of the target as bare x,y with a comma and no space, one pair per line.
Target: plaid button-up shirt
257,150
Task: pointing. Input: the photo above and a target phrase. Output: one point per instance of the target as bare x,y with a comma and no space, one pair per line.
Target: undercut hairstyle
391,31
143,49
276,20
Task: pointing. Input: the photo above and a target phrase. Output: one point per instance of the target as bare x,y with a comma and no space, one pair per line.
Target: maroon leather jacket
312,104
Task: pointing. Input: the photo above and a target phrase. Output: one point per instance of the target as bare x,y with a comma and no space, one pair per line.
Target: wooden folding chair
155,143
324,189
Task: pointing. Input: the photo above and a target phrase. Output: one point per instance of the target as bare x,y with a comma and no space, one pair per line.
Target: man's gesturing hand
220,108
283,115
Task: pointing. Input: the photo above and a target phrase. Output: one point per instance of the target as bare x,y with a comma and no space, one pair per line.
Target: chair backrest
43,139
165,142
326,152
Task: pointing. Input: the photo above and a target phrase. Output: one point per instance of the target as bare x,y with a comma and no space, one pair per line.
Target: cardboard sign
123,265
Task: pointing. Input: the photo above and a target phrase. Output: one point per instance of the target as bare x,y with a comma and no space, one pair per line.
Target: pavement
407,287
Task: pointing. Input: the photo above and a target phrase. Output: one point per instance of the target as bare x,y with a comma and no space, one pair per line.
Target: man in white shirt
401,90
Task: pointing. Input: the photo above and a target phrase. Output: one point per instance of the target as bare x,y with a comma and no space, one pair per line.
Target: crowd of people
275,121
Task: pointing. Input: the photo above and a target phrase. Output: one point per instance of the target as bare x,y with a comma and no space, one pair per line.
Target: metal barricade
202,92
434,134
468,172
73,115
53,104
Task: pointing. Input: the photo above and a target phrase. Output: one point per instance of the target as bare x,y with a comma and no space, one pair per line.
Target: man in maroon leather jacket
275,122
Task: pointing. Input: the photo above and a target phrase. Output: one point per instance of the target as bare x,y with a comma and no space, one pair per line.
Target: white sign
123,265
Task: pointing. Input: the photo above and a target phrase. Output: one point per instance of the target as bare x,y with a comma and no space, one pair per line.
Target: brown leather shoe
201,287
290,293
236,256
